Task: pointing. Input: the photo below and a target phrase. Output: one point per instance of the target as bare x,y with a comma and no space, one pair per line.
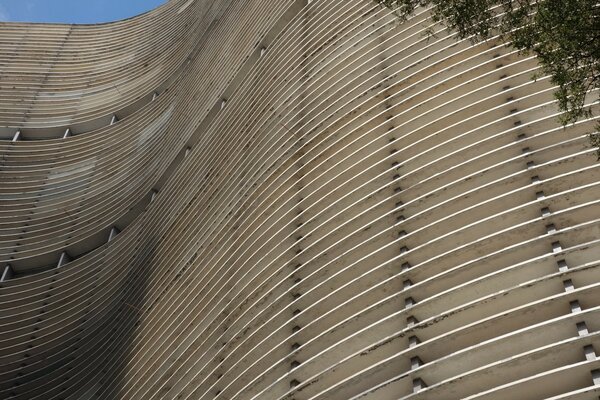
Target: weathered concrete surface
303,200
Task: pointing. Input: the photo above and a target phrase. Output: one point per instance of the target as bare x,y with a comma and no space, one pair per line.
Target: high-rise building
290,199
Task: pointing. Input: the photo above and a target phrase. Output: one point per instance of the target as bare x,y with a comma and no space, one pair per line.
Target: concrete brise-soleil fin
290,199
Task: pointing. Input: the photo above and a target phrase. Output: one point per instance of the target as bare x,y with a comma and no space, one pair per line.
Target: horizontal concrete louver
295,200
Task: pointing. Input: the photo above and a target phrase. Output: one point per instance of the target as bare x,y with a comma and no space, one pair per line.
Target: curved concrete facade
290,199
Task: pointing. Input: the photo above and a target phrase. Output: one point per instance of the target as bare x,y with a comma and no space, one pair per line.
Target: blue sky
73,11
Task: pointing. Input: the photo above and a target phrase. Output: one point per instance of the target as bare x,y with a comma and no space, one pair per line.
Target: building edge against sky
290,200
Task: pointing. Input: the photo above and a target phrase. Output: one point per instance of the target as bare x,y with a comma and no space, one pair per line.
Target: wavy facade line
290,200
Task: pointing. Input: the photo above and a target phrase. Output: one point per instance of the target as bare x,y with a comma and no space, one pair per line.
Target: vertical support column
395,195
297,134
64,258
114,231
509,99
581,326
7,273
415,362
296,294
